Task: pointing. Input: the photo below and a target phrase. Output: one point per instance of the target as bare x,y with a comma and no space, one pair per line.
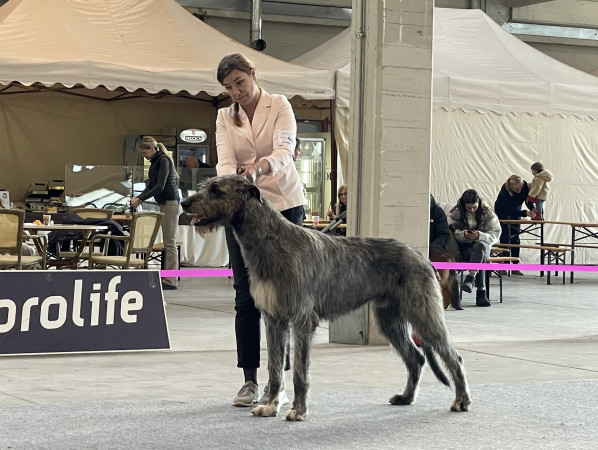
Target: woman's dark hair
235,61
470,196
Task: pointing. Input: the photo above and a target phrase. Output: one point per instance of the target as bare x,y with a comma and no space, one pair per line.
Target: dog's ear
255,192
214,188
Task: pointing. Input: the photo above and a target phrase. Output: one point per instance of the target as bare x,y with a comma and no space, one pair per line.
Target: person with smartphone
476,229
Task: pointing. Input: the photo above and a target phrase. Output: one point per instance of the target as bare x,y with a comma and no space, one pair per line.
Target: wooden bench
498,260
497,251
493,259
555,254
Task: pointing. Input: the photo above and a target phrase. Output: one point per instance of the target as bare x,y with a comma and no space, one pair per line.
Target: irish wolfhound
300,275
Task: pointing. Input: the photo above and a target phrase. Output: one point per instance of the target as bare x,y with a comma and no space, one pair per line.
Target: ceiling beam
520,3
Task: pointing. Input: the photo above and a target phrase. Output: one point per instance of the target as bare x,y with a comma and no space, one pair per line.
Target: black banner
57,311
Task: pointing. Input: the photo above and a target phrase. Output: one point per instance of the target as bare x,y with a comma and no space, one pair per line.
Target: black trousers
475,252
504,236
247,318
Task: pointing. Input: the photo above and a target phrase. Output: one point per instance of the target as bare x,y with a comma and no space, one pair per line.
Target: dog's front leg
303,334
277,332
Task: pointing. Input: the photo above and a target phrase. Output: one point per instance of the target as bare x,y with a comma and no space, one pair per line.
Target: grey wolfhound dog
294,274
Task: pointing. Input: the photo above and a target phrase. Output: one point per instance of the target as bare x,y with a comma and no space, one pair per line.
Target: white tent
61,59
479,66
499,106
154,45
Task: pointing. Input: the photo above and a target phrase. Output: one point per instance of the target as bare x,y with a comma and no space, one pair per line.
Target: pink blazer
270,136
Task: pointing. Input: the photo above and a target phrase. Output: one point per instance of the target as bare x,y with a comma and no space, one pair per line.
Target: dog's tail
433,362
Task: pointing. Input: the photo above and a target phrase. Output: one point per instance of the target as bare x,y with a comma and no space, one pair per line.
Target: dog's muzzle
197,221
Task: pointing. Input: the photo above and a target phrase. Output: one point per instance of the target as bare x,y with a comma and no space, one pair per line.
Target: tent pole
333,154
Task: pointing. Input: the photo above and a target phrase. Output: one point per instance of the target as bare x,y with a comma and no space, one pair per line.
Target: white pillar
391,107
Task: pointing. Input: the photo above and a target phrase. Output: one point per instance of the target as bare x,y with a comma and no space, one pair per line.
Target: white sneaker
247,395
282,395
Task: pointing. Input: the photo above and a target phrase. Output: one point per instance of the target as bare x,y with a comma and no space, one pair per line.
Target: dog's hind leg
397,331
277,332
430,325
454,363
303,334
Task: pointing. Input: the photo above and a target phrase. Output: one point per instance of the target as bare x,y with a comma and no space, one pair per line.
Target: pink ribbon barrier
210,273
522,267
213,273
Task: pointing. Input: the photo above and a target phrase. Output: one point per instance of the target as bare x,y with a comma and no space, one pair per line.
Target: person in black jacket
162,185
508,206
439,229
437,251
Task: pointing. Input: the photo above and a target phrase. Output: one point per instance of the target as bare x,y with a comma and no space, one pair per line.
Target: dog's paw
461,404
400,399
295,416
265,411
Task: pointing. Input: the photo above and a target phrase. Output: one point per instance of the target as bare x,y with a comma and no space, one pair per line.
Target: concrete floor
540,333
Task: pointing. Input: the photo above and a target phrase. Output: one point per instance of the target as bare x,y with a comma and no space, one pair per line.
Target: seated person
341,206
439,229
476,228
26,249
297,151
192,162
439,236
188,176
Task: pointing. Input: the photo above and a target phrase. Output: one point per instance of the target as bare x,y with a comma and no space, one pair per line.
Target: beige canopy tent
499,105
62,60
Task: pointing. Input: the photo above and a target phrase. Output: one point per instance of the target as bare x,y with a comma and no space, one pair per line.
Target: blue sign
57,311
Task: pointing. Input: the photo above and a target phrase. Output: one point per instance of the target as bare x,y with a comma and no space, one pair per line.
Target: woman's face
242,87
342,197
471,208
148,152
517,187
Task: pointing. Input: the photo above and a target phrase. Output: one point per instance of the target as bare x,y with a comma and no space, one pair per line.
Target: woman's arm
283,137
163,171
227,159
452,219
491,233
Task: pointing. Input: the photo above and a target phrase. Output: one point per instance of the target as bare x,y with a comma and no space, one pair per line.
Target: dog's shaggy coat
299,275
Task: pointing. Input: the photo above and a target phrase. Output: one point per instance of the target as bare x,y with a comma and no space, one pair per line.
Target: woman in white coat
255,138
476,229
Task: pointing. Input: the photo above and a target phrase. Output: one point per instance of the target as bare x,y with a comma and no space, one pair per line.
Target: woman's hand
251,171
472,235
331,215
135,202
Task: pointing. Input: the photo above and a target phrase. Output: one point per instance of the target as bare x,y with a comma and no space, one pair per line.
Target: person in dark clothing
192,162
437,251
189,176
439,229
162,185
508,207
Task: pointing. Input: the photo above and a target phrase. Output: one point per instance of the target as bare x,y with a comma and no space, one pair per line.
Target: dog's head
218,200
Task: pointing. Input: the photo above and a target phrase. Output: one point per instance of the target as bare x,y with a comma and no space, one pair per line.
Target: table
73,261
322,224
580,231
534,227
208,250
